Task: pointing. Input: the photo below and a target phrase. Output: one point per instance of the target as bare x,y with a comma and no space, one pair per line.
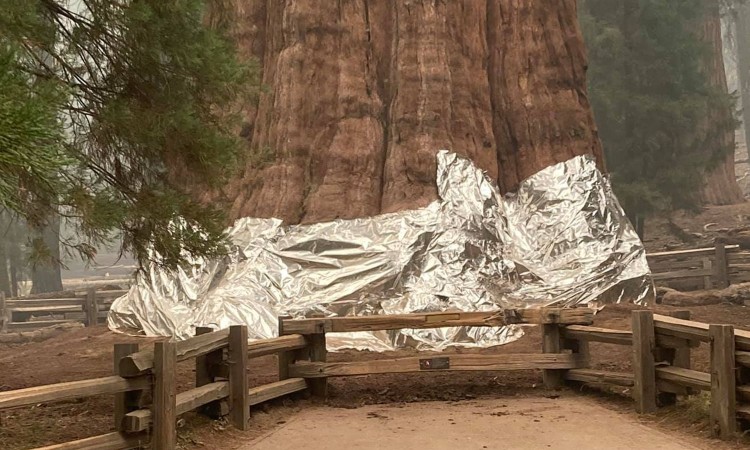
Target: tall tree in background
660,100
13,236
741,15
717,130
45,272
361,95
101,104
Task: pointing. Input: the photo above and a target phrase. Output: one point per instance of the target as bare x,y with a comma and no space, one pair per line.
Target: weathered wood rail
90,308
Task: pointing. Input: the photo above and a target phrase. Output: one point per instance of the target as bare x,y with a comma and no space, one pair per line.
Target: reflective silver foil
561,240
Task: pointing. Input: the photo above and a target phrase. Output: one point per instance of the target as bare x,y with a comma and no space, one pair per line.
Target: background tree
718,128
659,94
102,105
13,258
740,15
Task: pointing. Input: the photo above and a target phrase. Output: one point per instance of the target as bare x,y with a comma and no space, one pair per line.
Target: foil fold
561,240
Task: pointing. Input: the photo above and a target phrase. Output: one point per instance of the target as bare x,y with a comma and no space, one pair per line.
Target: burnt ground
86,353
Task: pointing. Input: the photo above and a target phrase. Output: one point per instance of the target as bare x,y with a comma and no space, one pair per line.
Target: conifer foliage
105,106
652,97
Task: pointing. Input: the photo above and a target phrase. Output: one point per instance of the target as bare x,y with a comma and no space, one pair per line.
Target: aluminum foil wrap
561,240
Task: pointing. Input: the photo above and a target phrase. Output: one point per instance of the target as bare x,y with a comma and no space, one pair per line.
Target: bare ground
695,230
86,353
566,422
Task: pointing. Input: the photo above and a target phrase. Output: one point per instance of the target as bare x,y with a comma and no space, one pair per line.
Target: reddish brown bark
361,94
721,186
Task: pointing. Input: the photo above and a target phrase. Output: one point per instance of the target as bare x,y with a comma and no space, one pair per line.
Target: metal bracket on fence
512,316
440,363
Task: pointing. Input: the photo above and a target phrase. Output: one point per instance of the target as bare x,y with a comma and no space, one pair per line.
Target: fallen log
737,294
39,335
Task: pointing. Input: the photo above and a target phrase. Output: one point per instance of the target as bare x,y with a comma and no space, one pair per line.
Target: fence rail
436,320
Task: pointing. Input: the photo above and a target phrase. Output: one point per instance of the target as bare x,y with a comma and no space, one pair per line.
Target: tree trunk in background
15,265
742,42
5,282
12,238
721,183
630,20
46,277
363,93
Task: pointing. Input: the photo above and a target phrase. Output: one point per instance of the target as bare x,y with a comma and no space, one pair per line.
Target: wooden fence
702,268
661,368
661,355
662,364
221,386
89,308
316,370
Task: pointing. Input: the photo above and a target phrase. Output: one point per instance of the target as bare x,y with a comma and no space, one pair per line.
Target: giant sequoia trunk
361,94
721,186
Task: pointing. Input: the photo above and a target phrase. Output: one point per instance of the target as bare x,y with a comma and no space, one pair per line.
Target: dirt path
511,423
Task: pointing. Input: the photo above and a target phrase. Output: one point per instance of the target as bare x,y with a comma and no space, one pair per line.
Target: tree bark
11,260
15,263
5,282
742,43
721,186
630,22
46,276
361,94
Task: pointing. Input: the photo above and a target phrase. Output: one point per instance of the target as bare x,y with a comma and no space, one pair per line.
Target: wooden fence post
723,381
164,408
92,309
317,345
314,351
124,401
743,379
203,374
722,266
238,388
552,343
707,279
644,344
677,357
285,358
682,355
206,367
4,315
577,347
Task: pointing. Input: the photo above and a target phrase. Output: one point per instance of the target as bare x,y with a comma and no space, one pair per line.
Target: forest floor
87,353
696,230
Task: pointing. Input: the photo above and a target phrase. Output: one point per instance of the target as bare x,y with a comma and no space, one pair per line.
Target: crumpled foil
561,240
